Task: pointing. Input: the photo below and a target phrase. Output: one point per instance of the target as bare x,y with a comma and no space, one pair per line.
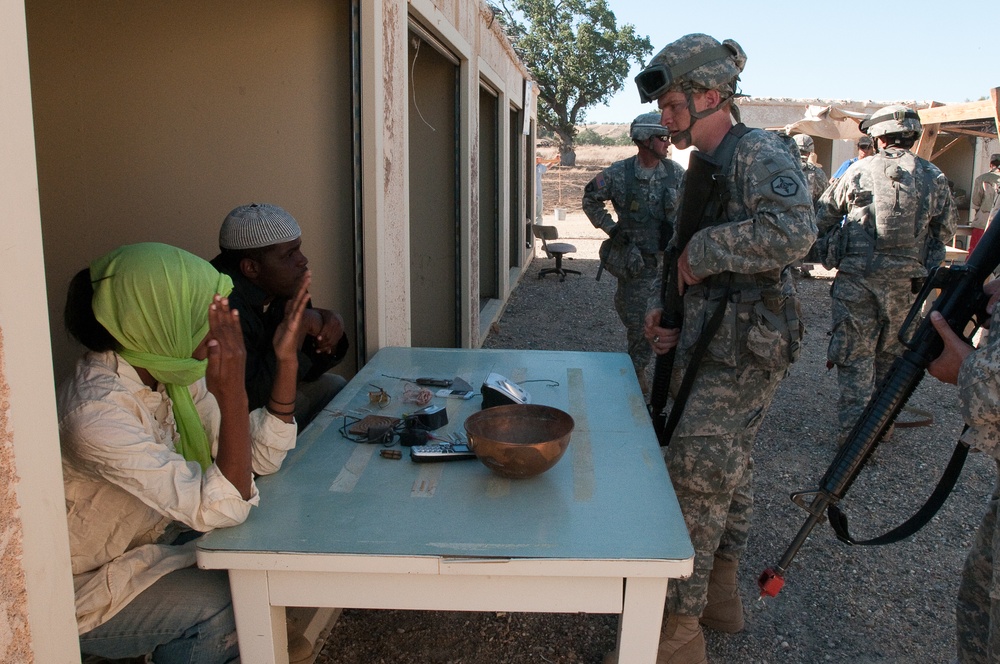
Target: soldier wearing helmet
758,219
815,175
818,182
899,217
644,192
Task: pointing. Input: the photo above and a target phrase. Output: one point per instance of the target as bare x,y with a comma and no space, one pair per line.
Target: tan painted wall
155,119
151,121
37,621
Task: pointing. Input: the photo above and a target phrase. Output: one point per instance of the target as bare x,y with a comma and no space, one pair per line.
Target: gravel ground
840,603
891,604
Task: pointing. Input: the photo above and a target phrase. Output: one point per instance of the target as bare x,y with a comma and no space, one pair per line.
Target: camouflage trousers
711,467
867,316
631,298
977,613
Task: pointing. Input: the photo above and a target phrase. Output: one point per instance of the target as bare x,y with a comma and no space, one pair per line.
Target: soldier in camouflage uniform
737,261
644,191
900,216
977,374
815,175
818,182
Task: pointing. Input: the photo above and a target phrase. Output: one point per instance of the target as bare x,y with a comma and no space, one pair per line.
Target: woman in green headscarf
157,445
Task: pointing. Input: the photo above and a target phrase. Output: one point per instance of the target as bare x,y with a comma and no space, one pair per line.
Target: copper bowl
519,440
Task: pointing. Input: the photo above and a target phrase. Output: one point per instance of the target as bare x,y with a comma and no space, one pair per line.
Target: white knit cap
257,225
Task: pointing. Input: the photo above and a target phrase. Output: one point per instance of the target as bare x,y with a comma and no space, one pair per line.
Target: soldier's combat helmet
693,62
893,120
646,126
805,142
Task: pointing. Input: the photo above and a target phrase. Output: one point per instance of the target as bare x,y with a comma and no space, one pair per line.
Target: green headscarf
153,299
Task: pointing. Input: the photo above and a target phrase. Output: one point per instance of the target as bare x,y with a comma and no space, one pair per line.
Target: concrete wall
37,621
150,122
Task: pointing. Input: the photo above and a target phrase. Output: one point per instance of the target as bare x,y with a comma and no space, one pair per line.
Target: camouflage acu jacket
646,204
870,243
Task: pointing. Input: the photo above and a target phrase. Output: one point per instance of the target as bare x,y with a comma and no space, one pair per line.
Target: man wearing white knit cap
261,250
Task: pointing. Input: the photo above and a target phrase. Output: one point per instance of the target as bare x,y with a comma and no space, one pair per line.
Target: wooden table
340,526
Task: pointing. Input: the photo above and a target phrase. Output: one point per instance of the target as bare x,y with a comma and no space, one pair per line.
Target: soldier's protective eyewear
652,82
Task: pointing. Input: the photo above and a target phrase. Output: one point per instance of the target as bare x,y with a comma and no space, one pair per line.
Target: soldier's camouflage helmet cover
805,143
646,126
693,62
896,119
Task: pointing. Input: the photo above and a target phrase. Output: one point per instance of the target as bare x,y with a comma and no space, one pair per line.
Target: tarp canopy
828,122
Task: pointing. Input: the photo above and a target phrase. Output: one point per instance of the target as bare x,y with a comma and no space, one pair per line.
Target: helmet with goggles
893,120
646,126
692,62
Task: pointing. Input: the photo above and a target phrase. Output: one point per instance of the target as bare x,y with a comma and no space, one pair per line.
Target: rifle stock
961,301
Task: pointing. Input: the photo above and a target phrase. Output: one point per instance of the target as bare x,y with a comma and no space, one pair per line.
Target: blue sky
875,50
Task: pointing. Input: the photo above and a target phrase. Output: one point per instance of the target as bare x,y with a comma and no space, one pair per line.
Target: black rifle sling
920,519
713,213
684,389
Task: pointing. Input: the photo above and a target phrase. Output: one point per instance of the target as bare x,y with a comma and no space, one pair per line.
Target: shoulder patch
600,180
784,186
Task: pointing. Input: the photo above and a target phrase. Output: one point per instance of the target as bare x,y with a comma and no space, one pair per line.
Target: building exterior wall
148,122
37,621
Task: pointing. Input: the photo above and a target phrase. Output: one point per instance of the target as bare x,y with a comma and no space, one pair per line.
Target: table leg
639,623
260,626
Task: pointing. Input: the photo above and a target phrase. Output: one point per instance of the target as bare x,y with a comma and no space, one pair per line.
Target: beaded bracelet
279,413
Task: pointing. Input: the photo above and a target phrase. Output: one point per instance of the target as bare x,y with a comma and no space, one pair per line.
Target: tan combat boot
724,611
683,641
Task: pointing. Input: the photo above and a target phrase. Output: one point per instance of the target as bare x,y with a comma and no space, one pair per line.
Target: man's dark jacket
259,325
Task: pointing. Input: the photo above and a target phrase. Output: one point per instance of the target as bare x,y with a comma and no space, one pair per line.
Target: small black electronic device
456,452
424,381
429,417
433,382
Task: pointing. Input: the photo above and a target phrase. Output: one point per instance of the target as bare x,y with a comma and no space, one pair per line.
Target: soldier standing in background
900,216
644,191
815,175
758,220
818,182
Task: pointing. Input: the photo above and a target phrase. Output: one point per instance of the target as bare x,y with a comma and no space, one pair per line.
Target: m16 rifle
698,202
961,301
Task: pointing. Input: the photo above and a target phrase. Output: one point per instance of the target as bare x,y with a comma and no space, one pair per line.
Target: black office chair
553,250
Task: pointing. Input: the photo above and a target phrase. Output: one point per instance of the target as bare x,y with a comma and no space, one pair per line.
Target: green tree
578,55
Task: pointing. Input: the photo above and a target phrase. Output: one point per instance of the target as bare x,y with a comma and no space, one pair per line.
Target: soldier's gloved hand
613,231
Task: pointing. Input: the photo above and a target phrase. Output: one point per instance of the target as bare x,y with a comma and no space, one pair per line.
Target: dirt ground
562,186
841,604
891,604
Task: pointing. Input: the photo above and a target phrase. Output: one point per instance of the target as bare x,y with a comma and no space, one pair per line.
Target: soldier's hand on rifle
661,339
685,277
945,367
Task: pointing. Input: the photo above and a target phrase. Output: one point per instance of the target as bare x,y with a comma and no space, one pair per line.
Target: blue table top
608,498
